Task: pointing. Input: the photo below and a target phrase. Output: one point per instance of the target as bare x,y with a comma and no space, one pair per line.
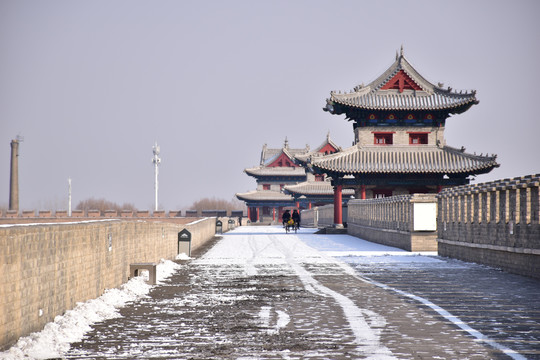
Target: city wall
494,223
31,216
47,268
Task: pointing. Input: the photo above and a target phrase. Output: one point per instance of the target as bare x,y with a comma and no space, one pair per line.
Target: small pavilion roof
417,93
269,155
276,171
404,159
326,142
314,188
317,151
265,195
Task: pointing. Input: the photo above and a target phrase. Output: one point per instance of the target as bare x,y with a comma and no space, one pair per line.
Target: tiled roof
305,155
276,171
315,188
406,159
326,142
429,97
268,195
269,155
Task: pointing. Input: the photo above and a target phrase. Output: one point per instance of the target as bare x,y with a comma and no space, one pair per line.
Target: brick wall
494,223
47,268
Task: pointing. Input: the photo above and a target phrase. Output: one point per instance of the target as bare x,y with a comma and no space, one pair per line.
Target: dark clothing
286,217
296,218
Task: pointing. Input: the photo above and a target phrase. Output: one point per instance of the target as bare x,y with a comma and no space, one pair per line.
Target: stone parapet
13,216
77,213
404,221
143,213
94,213
28,213
76,262
45,213
492,223
321,216
159,214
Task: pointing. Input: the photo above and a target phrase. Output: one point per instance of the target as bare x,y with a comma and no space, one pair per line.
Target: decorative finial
328,136
401,49
286,145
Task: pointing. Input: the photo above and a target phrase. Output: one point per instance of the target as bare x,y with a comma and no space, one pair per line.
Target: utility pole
156,160
14,175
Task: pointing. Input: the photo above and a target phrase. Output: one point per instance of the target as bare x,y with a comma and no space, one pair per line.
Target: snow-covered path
259,293
250,251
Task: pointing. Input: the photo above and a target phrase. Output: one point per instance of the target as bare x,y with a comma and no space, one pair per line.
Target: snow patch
55,338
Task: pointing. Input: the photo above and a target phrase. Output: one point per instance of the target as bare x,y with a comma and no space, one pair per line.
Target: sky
91,86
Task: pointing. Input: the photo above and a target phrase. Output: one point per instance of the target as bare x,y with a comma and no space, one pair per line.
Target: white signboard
425,217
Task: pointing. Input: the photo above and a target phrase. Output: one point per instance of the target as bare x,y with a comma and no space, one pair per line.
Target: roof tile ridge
475,156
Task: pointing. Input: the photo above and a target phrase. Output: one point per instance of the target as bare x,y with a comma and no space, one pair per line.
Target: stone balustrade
321,216
404,221
495,223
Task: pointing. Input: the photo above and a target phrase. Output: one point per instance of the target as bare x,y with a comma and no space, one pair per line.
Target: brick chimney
14,176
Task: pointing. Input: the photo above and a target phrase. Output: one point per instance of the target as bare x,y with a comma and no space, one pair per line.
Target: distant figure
286,217
296,218
240,221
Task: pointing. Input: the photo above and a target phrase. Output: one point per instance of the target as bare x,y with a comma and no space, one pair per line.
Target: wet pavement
265,295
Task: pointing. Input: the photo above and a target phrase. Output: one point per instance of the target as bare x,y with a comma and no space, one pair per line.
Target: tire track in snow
441,311
366,325
282,320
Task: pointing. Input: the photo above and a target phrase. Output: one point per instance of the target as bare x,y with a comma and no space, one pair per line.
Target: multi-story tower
283,183
398,121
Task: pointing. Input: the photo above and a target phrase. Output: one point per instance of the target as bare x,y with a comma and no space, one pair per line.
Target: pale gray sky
90,85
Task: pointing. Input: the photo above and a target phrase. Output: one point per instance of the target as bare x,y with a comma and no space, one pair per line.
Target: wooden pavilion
398,121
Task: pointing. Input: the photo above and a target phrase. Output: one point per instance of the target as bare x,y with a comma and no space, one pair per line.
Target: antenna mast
156,160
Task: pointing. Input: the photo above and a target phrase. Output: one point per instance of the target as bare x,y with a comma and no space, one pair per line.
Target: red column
309,205
363,189
338,210
439,188
249,213
274,214
257,214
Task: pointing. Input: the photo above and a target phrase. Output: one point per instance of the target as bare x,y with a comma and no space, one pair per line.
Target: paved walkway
261,294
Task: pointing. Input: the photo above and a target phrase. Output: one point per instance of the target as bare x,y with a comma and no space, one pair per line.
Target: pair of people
287,216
